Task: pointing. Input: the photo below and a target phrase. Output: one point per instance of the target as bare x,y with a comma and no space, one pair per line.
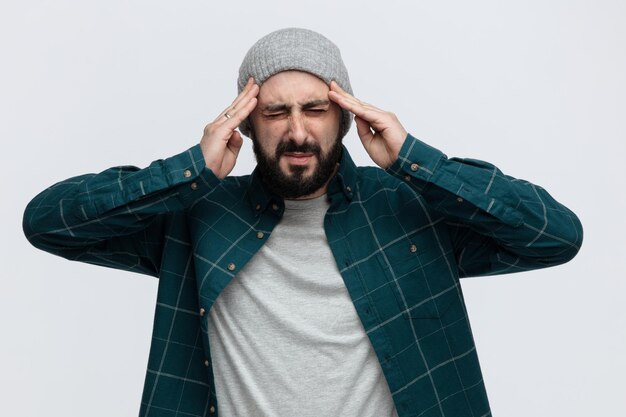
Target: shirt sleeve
117,218
498,224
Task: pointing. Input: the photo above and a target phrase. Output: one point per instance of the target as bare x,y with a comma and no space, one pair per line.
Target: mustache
290,146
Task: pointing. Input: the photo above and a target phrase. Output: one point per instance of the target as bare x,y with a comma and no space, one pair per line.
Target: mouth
298,158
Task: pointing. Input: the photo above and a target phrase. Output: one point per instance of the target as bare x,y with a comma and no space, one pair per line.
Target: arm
118,218
497,223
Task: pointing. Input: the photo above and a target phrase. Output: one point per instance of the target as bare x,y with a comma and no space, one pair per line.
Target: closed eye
274,115
317,110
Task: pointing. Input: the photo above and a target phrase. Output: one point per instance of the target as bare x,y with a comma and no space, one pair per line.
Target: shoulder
234,187
384,192
236,182
228,192
374,180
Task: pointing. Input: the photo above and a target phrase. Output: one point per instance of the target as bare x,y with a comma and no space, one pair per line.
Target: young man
311,287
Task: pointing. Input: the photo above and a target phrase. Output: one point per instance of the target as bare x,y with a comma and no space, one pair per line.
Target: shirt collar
343,184
261,197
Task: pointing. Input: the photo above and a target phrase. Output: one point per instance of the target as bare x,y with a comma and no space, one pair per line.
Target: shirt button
258,207
202,311
348,189
206,363
194,185
260,235
414,167
407,178
413,248
459,200
274,206
212,409
187,173
231,266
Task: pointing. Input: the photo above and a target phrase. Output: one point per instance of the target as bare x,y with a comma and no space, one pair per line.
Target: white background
536,87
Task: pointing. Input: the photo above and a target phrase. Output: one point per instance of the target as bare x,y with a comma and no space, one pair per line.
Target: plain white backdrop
536,87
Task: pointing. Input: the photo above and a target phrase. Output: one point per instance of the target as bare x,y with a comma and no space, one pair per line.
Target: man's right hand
221,141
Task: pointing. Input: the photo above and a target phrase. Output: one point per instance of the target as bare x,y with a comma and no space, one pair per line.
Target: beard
295,184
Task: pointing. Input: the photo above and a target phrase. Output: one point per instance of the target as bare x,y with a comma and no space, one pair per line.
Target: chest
394,262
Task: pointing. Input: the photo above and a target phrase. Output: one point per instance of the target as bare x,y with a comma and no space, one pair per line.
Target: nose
297,128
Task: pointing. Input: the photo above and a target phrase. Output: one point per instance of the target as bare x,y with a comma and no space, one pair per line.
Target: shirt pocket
419,271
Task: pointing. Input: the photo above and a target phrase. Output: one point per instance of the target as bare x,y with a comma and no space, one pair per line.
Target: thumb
235,142
364,130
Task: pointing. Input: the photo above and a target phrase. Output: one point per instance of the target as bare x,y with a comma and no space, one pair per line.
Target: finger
349,97
351,103
240,114
369,113
251,89
244,93
237,101
242,106
235,142
334,86
336,89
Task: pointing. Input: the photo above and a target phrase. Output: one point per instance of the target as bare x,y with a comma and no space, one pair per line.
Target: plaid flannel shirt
401,238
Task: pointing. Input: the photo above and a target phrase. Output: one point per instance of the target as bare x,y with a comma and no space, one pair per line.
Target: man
311,287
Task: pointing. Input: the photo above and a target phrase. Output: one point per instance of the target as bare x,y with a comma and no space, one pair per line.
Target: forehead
290,87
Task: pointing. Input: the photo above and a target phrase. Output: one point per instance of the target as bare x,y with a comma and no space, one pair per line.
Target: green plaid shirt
401,239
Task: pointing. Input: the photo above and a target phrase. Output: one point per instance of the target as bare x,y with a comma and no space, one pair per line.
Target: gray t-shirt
285,337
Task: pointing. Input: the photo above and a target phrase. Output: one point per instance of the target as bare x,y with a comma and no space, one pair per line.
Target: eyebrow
276,107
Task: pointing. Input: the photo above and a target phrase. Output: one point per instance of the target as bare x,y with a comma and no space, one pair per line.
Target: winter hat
295,49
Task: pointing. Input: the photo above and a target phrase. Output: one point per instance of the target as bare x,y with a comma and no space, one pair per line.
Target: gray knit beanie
295,49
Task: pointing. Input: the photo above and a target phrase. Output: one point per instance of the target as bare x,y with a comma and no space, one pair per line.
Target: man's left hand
380,131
